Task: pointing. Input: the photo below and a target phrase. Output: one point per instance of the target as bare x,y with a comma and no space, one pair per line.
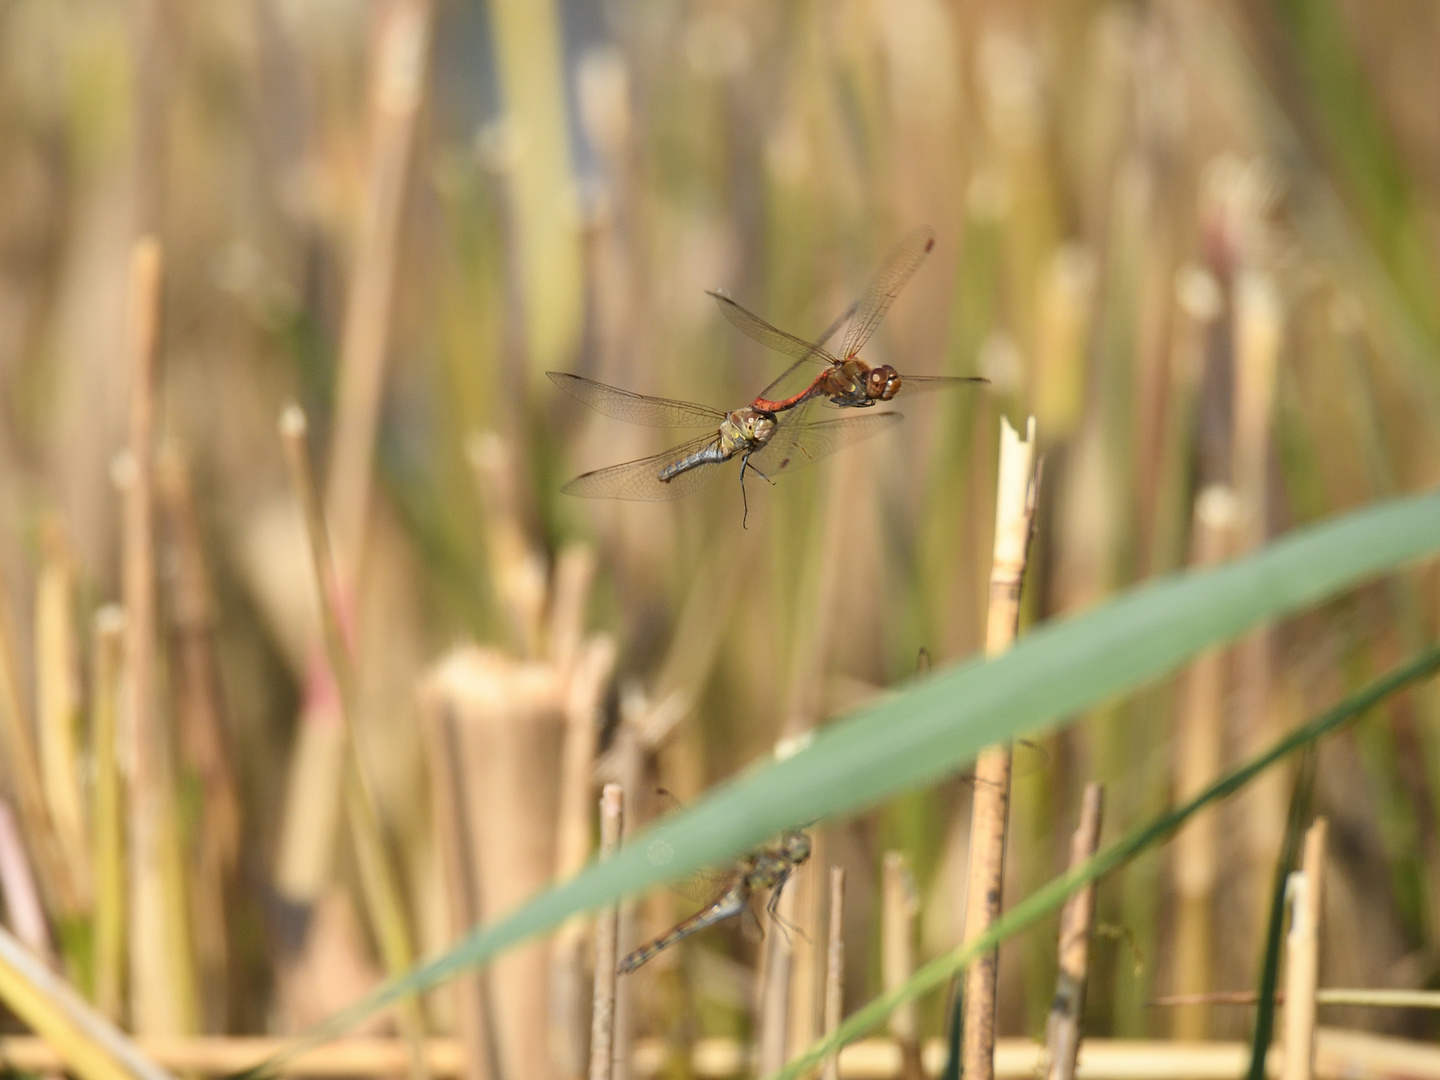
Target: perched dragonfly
844,379
765,441
768,868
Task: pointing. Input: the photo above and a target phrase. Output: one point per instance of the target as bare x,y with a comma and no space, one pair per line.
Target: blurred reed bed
1197,245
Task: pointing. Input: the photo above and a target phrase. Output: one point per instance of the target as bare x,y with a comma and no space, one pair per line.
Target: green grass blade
1051,896
936,725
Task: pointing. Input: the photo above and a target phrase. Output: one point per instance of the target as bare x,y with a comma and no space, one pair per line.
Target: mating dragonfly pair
771,435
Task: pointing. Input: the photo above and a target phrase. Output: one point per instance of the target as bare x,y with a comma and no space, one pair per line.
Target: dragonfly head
882,383
749,427
796,846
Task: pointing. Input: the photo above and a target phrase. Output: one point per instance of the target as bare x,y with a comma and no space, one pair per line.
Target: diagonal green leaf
1048,898
937,725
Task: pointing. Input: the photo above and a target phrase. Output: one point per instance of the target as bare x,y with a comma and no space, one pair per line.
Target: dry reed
1062,1031
899,905
835,967
607,927
1015,497
1302,956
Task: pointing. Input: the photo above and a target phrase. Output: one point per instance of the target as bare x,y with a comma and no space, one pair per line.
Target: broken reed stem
107,836
1062,1035
1015,495
517,570
162,978
377,877
835,968
607,931
1198,740
1302,957
899,904
397,83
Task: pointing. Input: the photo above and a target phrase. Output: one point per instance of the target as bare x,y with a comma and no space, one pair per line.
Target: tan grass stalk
1302,957
200,719
1378,999
398,78
835,967
1062,1035
517,569
899,905
23,908
1340,1055
1014,518
607,928
22,767
107,834
162,977
57,699
79,1039
383,897
588,676
1199,736
574,576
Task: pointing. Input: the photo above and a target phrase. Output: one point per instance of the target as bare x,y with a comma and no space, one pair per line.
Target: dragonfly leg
772,908
744,499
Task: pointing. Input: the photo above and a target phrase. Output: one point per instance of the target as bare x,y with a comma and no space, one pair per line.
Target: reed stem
1302,957
607,929
835,968
1015,496
1062,1036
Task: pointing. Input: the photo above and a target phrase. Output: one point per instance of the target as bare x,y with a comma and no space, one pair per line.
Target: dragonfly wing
802,442
915,384
640,479
636,408
899,266
773,337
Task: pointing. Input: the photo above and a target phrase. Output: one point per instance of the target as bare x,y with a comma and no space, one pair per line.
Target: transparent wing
640,479
899,266
703,885
757,328
915,384
636,408
802,442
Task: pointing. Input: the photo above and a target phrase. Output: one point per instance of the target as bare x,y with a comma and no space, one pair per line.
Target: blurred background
1199,242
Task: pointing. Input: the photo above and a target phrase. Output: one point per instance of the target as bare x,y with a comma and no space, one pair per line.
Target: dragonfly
767,868
766,442
844,379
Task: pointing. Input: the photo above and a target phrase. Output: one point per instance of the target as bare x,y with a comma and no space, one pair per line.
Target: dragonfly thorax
746,429
795,846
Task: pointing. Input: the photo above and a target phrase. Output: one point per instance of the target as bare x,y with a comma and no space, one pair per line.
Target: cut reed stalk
383,897
107,834
162,976
57,699
835,967
1062,1032
504,725
1015,496
607,928
1302,957
1198,740
899,904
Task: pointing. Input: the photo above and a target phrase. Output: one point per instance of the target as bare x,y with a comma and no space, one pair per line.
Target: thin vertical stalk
107,813
1014,519
1062,1030
1302,957
899,904
57,698
17,885
397,85
516,568
607,930
377,875
162,980
1198,740
835,968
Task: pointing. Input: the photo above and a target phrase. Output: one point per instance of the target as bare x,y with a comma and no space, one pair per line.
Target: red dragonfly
765,442
846,380
731,891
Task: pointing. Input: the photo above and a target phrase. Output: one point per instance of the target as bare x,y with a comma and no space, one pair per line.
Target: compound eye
892,386
875,383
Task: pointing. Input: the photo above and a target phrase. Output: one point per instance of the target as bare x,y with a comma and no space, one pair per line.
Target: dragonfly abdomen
704,456
727,905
